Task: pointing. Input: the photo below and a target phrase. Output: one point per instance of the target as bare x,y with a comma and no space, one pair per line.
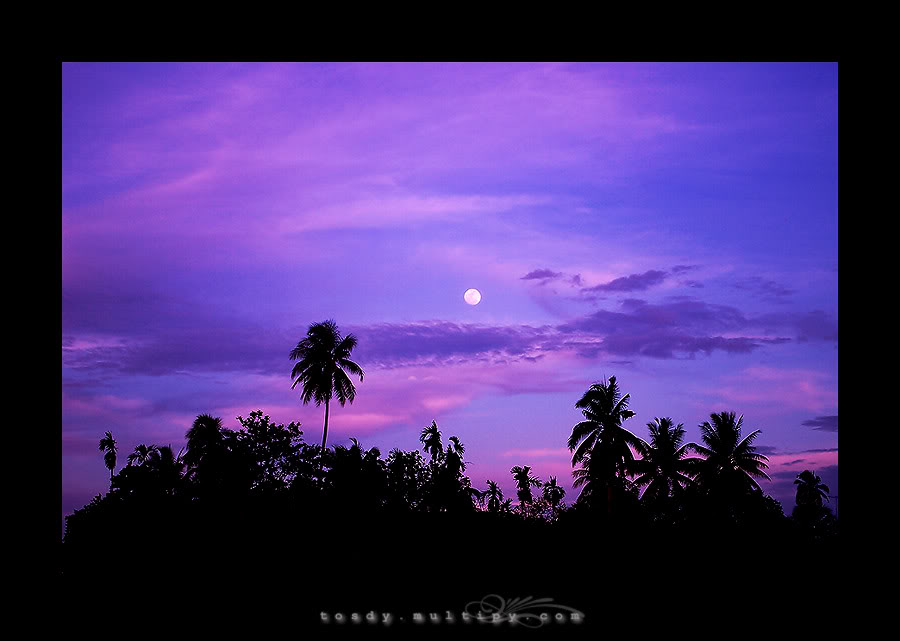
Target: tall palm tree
524,482
431,440
810,489
141,454
732,463
321,359
599,442
664,468
108,446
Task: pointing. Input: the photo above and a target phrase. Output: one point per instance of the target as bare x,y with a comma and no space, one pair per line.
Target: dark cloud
823,423
541,274
806,326
667,330
693,283
223,347
767,450
631,283
213,341
794,462
765,289
388,344
680,269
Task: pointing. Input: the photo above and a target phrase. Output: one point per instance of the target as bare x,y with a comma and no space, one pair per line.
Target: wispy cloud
630,283
823,423
765,289
541,274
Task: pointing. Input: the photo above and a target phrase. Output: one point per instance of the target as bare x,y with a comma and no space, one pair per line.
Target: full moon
472,296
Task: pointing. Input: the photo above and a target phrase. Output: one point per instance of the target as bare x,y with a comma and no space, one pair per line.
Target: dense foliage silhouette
344,527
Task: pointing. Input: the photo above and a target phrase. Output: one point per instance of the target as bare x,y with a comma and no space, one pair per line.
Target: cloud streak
630,283
823,423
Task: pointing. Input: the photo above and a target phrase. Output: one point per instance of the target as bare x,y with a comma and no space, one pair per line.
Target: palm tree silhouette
322,358
524,482
663,468
168,468
108,446
494,496
141,454
203,438
731,462
553,493
454,457
810,489
431,439
600,443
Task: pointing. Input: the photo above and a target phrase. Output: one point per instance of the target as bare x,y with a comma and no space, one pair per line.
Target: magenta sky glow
674,225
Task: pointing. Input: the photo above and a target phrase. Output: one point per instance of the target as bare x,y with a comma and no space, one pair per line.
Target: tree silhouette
141,454
217,460
273,450
553,494
524,482
406,479
494,496
732,464
600,443
664,467
431,440
810,489
356,478
454,457
108,446
262,481
323,356
168,468
810,512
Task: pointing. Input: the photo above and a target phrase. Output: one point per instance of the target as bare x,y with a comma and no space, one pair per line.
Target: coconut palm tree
454,457
322,358
524,482
209,453
168,467
204,437
599,442
664,468
108,446
732,464
810,489
431,440
553,493
494,496
141,454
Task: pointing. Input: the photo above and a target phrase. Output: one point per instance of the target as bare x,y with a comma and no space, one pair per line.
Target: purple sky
674,225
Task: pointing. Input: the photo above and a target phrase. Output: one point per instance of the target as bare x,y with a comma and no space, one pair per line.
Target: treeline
265,522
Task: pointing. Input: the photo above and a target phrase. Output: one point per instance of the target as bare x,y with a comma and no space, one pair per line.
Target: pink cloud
771,389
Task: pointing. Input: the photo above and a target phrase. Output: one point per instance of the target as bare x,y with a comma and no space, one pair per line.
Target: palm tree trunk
325,431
